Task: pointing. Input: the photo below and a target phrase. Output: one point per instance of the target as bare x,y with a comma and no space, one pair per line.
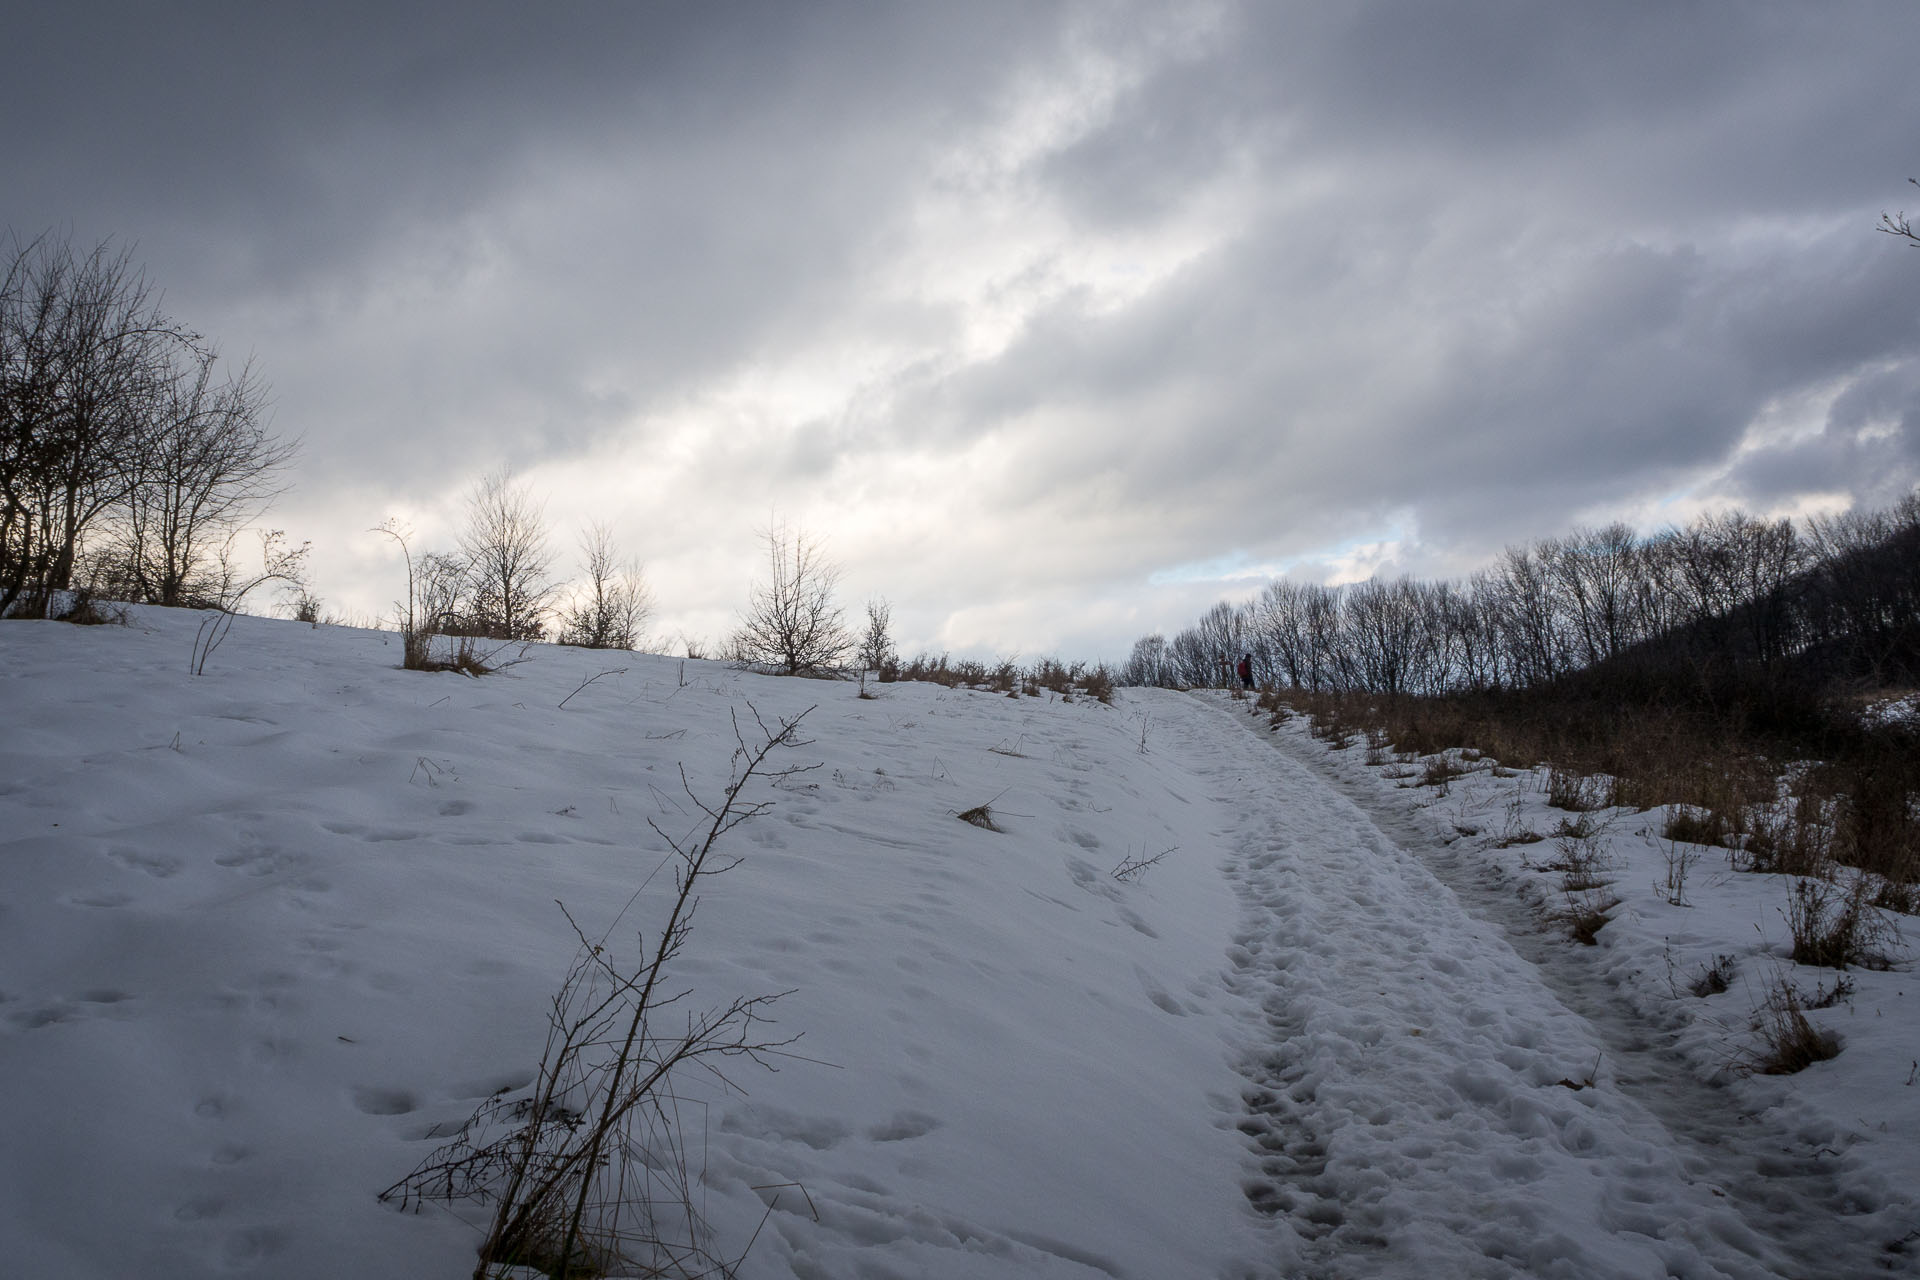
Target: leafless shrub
279,563
504,545
1098,683
436,591
1513,828
1902,897
1440,770
1574,792
589,1171
1794,838
1132,867
1789,1042
1825,997
1050,673
1586,912
1713,979
926,667
614,602
1585,884
308,607
981,815
876,645
792,623
1679,858
1694,824
1836,925
877,653
1582,830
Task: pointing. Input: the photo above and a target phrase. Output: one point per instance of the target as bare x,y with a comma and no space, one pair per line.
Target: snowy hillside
270,934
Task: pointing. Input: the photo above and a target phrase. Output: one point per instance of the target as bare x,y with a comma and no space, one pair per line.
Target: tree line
130,453
1728,594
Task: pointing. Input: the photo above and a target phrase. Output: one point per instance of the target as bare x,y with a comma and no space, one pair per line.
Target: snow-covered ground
269,933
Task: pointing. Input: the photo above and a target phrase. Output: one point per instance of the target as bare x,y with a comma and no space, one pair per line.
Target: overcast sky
1054,322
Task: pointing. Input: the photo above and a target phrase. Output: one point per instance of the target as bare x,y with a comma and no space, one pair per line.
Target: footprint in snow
904,1125
62,1010
158,865
383,1102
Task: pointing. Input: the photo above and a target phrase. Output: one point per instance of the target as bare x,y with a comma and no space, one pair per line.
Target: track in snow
1435,1086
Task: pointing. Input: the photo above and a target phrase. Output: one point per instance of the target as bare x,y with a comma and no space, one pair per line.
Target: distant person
1246,671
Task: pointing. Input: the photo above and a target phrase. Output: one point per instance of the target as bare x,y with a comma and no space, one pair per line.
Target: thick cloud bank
1056,322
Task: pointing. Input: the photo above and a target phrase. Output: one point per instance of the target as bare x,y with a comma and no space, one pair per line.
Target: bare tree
615,601
1147,664
508,560
1386,635
442,584
1279,627
116,438
208,466
876,647
792,621
84,354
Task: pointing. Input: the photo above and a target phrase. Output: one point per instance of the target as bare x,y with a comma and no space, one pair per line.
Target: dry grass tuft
981,815
1837,926
1791,1043
1713,979
1586,912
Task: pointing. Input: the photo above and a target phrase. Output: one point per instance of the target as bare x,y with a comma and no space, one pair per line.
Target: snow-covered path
268,935
1424,1101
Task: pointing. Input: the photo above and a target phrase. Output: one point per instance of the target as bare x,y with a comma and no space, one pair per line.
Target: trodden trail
1435,1087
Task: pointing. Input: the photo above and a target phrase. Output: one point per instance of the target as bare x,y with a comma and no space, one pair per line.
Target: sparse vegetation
434,586
1714,979
1574,792
127,457
1679,859
1835,924
877,653
981,815
1697,667
614,602
508,584
589,1170
792,624
1790,1043
278,563
1049,675
1133,866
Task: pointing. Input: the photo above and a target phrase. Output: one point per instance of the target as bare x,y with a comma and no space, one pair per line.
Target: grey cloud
1640,366
742,156
1478,267
1868,446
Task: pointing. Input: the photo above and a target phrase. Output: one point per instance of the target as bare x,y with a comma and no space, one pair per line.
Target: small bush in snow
1574,792
1713,979
590,1172
1836,926
981,815
1790,1042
